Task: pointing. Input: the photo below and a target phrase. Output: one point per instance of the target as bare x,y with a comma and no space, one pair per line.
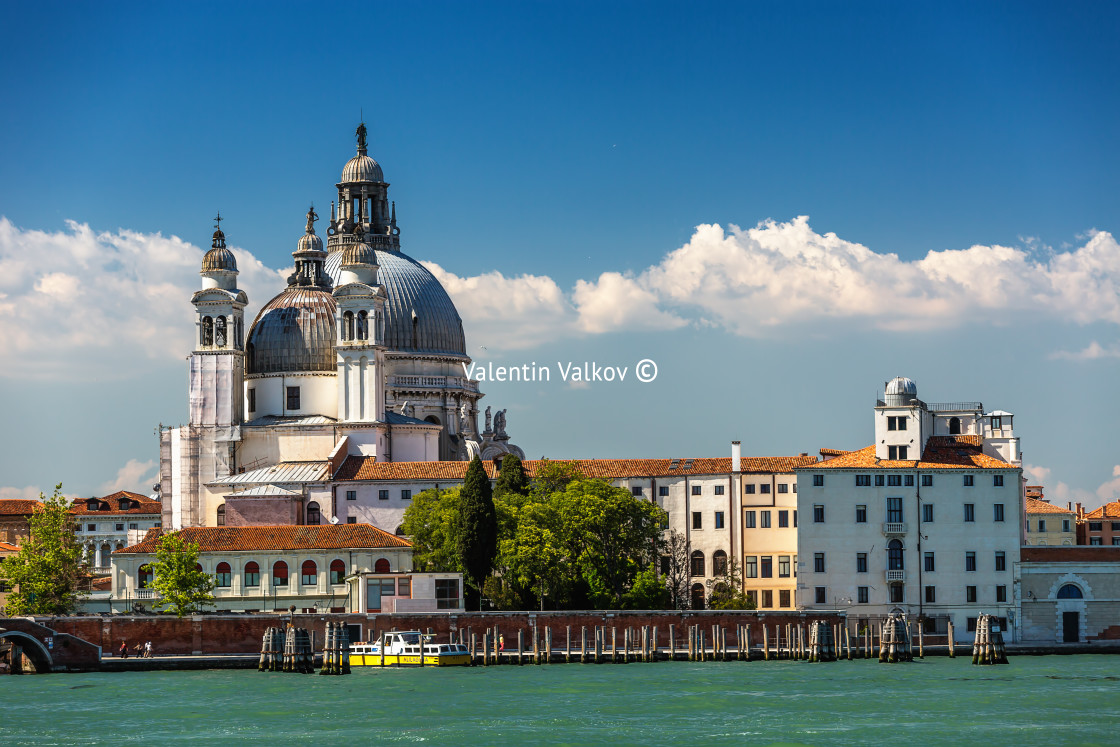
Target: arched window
279,573
220,331
144,577
1070,591
381,566
252,574
313,516
348,326
697,596
954,426
338,571
719,563
224,575
363,325
894,555
207,331
221,515
400,531
308,575
697,563
198,567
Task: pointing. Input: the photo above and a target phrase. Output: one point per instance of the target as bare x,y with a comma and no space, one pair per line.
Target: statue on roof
312,216
361,133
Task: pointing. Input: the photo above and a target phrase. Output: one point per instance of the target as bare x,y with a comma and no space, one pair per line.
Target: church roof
265,491
284,473
942,452
325,537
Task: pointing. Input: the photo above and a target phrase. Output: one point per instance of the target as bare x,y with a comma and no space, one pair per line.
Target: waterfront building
110,523
6,549
1100,526
1070,594
14,528
316,569
1047,524
362,354
927,521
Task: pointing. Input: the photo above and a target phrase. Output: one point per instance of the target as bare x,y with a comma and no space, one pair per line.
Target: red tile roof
942,452
111,504
5,547
18,506
1035,506
368,468
1107,511
325,537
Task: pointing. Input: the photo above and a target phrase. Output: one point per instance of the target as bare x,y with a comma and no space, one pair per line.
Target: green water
1034,700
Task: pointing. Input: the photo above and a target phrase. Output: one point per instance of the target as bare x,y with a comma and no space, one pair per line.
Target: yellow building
1047,524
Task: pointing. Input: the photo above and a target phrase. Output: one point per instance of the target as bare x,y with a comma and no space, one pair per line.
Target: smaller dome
902,385
309,242
362,168
219,259
358,254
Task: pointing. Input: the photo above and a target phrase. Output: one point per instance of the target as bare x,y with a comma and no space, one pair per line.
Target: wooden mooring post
672,642
987,644
583,644
765,644
952,642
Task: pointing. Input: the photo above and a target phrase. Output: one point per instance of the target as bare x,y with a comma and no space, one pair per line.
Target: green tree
648,592
725,592
512,482
181,585
49,563
552,477
477,527
430,524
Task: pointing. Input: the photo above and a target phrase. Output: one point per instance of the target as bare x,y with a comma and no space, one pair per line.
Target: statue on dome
312,216
361,133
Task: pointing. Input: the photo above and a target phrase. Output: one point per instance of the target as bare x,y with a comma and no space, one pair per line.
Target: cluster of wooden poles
987,645
286,651
336,649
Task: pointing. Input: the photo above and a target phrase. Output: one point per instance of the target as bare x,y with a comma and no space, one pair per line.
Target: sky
782,205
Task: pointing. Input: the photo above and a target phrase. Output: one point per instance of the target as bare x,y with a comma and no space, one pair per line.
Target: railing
955,406
894,527
146,594
896,577
434,382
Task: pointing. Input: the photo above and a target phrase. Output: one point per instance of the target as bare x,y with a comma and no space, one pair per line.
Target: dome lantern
219,266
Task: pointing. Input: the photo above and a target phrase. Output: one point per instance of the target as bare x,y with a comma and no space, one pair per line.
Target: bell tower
363,203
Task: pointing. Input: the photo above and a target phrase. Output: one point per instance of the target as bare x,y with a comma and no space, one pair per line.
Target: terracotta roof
102,584
1035,506
5,547
326,537
111,504
942,452
1107,511
825,452
368,468
1070,554
18,506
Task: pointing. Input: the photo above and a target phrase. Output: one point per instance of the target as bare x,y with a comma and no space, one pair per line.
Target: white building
362,354
927,521
103,525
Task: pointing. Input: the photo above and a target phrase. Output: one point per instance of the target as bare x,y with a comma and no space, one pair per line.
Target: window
861,562
696,490
931,595
313,516
997,481
894,510
970,561
279,573
898,593
818,514
309,573
252,574
697,521
767,598
636,492
897,453
970,594
783,518
927,481
1065,525
767,566
930,565
783,487
750,565
795,517
1001,560
697,566
404,587
252,400
748,490
819,596
1001,593
997,513
970,512
862,595
382,495
719,563
363,325
665,565
861,514
352,495
293,398
119,527
818,562
338,571
969,480
908,480
879,481
223,575
133,526
764,489
663,491
1069,591
863,481
351,519
1116,526
1094,540
91,527
818,481
783,597
899,423
748,519
894,481
927,513
406,494
447,593
719,519
783,566
1095,526
894,556
719,489
382,566
765,516
144,577
971,624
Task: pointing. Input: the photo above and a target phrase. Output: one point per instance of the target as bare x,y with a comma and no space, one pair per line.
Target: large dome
293,333
435,327
362,168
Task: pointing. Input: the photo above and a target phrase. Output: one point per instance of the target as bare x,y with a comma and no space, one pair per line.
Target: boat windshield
411,638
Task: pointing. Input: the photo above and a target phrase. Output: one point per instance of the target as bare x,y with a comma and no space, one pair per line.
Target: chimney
736,457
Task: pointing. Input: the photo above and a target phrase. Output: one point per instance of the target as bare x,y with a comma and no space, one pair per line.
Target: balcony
896,577
145,594
892,528
433,382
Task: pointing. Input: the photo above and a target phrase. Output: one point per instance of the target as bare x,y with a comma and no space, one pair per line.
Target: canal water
1033,701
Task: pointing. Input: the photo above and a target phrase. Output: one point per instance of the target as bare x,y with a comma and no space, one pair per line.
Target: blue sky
957,165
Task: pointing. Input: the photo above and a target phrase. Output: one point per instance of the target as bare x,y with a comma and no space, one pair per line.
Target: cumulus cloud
1035,474
103,300
1110,491
1061,493
135,476
30,492
1091,352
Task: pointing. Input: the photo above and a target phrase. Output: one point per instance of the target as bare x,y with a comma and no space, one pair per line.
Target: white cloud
1035,474
134,476
31,492
1110,491
1092,352
1061,493
618,302
107,300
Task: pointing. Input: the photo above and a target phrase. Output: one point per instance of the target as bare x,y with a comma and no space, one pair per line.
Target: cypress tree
478,526
511,478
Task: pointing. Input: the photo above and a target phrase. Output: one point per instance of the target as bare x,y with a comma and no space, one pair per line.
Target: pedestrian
148,650
502,642
123,650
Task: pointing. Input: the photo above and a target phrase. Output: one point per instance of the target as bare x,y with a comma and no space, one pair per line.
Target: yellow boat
409,648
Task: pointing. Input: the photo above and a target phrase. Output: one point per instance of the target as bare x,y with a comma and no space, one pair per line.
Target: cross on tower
218,221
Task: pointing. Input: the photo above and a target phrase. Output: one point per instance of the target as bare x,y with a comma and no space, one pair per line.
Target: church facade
362,354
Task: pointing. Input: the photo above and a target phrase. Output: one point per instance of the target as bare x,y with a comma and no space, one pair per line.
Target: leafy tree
512,481
533,553
725,592
177,578
676,570
477,527
49,564
552,477
648,592
430,524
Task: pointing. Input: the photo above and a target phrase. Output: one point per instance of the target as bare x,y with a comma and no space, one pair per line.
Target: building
6,549
362,354
103,524
1047,524
14,528
335,568
1100,526
1070,594
927,521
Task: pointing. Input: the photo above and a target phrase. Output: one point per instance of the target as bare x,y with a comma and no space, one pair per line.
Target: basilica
362,355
